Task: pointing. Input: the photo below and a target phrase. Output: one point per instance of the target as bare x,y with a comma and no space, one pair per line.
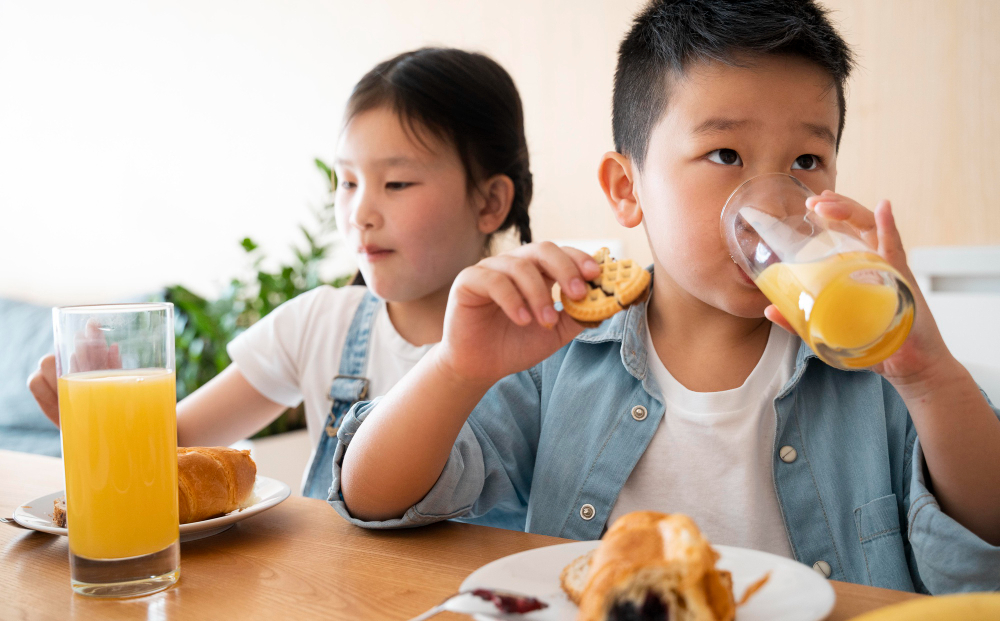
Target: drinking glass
118,419
850,306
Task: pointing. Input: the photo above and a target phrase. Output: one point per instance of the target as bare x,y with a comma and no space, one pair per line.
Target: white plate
37,513
795,592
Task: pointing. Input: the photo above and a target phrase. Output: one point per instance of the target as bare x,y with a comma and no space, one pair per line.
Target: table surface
299,560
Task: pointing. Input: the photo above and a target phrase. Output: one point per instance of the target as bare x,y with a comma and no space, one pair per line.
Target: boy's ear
496,197
617,180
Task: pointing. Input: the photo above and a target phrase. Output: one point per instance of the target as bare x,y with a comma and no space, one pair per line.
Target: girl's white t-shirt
712,455
292,354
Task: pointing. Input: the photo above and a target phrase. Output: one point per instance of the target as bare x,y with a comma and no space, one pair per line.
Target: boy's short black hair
668,35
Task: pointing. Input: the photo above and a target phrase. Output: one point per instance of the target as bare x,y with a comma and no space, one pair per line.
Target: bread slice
574,577
59,512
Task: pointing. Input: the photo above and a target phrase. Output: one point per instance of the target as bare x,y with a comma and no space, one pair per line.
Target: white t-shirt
292,354
711,456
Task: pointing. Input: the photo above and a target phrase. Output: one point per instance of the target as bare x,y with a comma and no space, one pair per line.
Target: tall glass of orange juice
850,306
118,417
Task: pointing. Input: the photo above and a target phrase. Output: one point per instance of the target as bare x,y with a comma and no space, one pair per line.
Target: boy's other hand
501,318
915,360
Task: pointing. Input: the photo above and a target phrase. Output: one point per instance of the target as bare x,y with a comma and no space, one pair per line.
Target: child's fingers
487,284
774,315
562,266
889,241
890,244
588,267
91,349
530,283
834,206
42,385
114,357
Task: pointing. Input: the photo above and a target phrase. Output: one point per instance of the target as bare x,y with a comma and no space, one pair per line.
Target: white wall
139,141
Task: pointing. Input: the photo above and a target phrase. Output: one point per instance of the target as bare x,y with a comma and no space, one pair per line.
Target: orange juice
841,306
119,431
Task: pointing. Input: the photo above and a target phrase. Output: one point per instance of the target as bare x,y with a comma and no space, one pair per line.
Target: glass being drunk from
850,306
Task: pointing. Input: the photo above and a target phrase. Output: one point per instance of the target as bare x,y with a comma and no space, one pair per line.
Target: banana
963,607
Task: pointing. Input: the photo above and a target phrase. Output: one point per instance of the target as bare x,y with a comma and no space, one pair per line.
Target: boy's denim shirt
548,450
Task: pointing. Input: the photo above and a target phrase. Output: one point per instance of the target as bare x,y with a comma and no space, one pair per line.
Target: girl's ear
496,197
617,180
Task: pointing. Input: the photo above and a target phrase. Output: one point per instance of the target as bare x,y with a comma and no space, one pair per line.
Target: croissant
212,481
651,566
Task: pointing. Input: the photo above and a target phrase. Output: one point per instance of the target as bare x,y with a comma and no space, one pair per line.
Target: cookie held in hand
619,285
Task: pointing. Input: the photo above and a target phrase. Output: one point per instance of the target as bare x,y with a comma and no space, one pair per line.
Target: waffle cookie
619,285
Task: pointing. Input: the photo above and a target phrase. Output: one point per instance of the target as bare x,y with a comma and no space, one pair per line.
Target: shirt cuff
950,558
458,487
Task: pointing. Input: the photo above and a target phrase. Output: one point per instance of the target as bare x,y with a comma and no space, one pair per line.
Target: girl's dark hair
466,99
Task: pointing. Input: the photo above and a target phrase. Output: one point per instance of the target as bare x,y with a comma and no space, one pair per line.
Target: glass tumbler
850,306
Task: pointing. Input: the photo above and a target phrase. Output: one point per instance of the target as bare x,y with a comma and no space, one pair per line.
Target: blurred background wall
140,141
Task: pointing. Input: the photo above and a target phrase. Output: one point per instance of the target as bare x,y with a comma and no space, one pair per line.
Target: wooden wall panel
923,121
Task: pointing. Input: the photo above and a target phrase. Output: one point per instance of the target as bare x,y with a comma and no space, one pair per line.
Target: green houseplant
204,327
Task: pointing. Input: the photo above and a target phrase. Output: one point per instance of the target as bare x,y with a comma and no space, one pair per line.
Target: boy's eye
347,185
726,157
806,162
397,185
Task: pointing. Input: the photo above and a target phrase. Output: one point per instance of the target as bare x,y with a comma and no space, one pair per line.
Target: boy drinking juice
694,401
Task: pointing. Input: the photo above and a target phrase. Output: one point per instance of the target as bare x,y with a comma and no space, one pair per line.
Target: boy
694,402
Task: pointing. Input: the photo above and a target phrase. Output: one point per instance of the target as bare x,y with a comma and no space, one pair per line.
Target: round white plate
795,592
37,513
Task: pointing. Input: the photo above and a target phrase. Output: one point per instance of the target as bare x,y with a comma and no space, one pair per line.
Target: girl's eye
397,185
806,162
726,157
347,185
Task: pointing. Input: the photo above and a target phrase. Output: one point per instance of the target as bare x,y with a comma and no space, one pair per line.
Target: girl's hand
501,318
924,348
42,385
91,353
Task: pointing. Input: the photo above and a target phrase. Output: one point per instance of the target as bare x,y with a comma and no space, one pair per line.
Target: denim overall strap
348,387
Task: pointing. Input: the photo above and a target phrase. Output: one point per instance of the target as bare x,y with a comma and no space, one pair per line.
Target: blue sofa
27,331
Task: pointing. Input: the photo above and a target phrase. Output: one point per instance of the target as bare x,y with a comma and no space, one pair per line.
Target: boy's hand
916,360
501,318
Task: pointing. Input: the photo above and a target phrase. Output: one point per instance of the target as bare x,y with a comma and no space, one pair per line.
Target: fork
10,521
471,603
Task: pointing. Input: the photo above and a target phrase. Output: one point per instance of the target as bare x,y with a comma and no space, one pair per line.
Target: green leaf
324,168
248,244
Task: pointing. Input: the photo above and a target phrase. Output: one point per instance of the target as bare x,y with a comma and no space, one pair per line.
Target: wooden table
299,560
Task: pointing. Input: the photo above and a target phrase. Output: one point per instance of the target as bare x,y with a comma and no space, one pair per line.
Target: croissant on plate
212,481
649,567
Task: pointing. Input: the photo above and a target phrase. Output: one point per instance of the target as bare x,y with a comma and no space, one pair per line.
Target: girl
431,163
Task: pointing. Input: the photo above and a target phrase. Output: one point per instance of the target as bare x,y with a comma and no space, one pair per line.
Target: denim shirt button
787,454
587,512
639,413
823,568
